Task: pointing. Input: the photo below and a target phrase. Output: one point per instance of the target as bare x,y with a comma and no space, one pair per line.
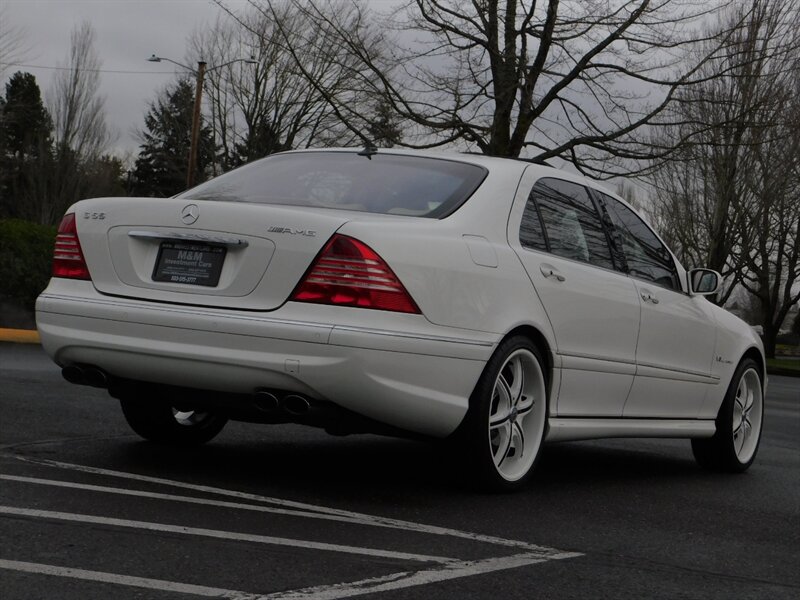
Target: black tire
522,430
157,422
720,453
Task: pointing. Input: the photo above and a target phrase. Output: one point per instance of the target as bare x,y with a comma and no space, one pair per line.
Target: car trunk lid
221,254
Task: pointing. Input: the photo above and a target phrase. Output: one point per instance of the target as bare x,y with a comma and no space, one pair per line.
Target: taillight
68,258
349,273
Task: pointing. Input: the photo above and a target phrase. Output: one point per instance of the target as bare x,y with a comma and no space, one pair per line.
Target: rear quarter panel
461,270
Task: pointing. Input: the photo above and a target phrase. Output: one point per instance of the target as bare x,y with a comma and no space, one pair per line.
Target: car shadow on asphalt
378,466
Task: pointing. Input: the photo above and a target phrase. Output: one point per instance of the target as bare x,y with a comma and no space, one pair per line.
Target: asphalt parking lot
87,510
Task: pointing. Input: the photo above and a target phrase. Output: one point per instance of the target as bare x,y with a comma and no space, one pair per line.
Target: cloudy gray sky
128,31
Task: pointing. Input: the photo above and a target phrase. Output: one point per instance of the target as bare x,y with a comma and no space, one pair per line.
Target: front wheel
735,443
506,422
165,424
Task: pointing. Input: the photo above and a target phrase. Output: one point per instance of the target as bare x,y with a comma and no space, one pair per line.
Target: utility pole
200,74
198,98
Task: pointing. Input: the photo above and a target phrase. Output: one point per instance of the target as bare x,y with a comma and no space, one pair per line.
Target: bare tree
728,197
771,237
260,108
77,109
569,79
13,48
80,133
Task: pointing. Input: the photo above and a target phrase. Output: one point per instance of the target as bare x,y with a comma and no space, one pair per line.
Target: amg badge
293,231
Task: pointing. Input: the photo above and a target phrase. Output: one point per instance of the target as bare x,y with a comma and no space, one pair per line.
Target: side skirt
572,429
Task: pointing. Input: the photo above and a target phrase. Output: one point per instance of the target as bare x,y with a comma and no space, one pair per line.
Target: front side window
647,258
571,222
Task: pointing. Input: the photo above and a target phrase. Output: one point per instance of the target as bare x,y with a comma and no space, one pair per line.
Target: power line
5,64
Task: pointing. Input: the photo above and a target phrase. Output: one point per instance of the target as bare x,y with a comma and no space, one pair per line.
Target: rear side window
647,258
571,223
383,183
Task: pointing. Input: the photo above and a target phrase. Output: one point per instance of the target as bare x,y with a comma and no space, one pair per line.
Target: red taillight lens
349,273
68,258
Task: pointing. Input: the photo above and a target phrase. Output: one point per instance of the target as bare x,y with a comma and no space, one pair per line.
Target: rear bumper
414,380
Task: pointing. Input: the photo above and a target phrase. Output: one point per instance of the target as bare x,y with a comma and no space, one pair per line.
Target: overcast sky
128,31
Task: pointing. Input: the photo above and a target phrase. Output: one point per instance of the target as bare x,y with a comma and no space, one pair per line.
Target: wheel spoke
738,442
518,451
503,449
498,421
518,384
749,401
502,410
503,387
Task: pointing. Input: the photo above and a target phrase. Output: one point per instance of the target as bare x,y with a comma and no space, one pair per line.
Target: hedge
26,252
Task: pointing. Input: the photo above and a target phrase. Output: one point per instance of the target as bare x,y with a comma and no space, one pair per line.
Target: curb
19,336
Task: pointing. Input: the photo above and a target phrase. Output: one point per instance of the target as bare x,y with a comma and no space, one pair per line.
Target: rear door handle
550,271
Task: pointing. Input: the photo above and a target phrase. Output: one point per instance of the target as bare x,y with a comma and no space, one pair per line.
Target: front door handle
551,272
648,297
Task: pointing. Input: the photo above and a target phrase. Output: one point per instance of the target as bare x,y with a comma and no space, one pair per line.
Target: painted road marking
188,499
385,583
215,533
396,581
141,582
447,568
360,517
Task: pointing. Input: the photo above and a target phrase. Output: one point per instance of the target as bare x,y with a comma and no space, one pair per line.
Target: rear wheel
505,426
165,424
735,443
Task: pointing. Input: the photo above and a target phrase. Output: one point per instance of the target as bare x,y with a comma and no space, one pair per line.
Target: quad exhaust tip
296,405
73,374
266,401
92,376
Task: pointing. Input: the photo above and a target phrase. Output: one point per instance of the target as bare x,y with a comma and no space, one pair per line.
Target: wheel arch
540,341
754,353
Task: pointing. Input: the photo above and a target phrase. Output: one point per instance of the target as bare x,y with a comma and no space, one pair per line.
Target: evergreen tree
160,169
25,148
384,127
260,141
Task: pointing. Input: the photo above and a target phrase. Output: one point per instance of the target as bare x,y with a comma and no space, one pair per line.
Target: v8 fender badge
293,231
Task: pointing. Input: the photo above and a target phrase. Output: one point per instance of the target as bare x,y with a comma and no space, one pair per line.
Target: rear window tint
384,183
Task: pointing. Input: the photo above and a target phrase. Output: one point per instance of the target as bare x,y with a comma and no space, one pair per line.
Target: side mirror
703,282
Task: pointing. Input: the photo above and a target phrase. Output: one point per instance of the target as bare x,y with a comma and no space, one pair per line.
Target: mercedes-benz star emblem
189,214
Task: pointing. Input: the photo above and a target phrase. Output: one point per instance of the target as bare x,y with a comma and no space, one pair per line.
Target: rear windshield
384,183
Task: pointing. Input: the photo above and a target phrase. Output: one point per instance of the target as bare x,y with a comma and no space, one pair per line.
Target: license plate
193,264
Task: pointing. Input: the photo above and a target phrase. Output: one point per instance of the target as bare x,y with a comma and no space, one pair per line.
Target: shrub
26,251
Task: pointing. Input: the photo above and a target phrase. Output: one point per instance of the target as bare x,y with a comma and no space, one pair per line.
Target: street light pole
194,140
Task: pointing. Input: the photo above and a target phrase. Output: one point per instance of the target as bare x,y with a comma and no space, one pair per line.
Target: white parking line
398,581
214,533
141,582
447,569
188,499
385,583
360,517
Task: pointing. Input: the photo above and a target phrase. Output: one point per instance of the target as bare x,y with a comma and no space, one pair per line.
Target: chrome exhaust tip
73,374
266,401
95,377
296,405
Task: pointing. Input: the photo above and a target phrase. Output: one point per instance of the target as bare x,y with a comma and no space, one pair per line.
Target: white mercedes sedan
496,302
